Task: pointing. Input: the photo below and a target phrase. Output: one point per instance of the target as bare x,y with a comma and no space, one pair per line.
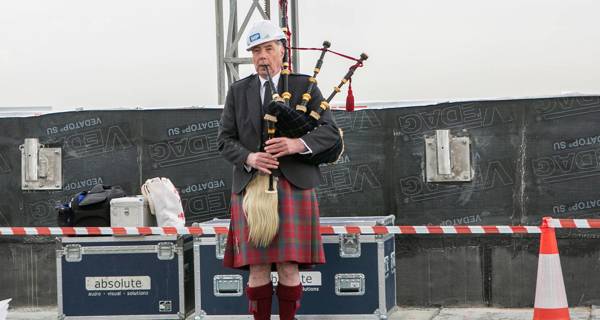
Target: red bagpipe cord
358,64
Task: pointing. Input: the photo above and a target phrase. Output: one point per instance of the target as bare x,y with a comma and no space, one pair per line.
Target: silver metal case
131,212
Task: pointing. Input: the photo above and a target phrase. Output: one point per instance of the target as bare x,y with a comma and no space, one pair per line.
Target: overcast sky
153,53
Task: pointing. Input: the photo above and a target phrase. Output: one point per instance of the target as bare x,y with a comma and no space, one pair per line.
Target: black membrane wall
531,158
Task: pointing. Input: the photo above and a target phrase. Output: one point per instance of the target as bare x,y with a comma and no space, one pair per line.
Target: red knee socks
259,299
289,300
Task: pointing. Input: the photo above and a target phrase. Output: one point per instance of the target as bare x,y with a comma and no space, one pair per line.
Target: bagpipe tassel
350,98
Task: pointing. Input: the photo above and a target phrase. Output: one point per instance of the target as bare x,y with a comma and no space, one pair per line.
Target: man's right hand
262,161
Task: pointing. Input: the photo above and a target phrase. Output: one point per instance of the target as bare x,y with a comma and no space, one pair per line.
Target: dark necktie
267,96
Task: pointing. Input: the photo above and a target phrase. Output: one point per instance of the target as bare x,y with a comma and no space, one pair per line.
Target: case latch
350,245
72,252
165,250
220,243
349,284
386,263
228,285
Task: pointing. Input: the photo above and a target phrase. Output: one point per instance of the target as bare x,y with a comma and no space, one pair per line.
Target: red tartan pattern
298,239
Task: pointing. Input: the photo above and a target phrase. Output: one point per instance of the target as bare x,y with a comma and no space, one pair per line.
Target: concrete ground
592,313
484,314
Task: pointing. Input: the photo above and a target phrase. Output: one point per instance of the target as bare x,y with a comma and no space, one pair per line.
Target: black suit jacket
240,126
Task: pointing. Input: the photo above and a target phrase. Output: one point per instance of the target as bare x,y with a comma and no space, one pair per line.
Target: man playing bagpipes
274,209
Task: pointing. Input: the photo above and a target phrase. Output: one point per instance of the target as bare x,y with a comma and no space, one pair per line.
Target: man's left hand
279,147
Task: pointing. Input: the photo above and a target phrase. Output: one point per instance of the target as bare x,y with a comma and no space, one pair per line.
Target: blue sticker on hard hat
254,37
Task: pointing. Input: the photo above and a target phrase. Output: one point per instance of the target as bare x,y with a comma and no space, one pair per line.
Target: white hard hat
263,31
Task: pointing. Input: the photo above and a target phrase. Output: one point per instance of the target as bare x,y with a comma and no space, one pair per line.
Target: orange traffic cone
550,297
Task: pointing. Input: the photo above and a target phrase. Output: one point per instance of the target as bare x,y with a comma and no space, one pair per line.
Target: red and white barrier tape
325,229
575,223
80,231
102,231
428,229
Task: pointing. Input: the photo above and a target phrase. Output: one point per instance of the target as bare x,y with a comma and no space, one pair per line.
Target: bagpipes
259,204
296,122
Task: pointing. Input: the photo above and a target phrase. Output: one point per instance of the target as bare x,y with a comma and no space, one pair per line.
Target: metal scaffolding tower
228,59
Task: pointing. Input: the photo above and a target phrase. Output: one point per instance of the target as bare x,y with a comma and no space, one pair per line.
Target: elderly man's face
269,53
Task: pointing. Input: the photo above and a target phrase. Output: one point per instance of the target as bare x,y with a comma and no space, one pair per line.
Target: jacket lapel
253,104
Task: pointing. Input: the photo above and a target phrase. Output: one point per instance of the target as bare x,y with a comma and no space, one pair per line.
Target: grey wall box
41,167
447,157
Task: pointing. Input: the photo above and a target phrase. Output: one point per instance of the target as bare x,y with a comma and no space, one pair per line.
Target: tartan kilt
298,239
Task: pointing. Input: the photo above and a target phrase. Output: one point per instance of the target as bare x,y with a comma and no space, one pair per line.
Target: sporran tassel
261,209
